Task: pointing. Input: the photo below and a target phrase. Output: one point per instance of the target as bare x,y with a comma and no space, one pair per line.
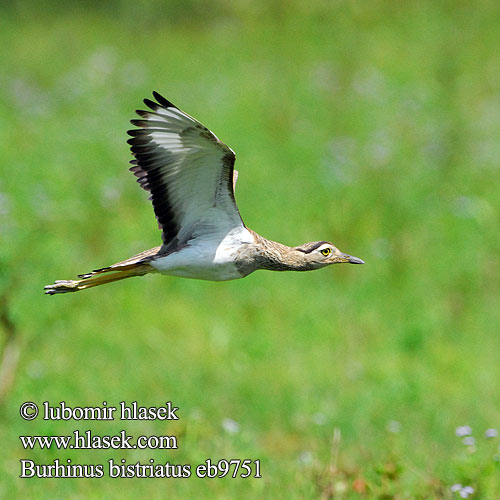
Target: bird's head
323,253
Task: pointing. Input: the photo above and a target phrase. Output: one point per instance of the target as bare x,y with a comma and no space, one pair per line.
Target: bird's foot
62,286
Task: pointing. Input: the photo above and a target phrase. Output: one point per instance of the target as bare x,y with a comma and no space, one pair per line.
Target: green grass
372,125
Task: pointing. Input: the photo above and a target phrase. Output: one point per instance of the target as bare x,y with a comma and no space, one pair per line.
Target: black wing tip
164,102
138,123
150,104
142,113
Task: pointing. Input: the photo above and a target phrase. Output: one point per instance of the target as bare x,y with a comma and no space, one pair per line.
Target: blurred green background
374,125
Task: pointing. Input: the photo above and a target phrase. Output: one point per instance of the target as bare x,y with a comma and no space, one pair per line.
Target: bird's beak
351,260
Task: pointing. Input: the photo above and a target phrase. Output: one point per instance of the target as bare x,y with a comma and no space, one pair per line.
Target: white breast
206,259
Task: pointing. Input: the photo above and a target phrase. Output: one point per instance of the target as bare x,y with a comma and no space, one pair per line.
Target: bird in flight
190,177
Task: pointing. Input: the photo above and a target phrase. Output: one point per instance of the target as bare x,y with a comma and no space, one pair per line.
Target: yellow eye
326,251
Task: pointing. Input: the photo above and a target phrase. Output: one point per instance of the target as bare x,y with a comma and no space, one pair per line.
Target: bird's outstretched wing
188,172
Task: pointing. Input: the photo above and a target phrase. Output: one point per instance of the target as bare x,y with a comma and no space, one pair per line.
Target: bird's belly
218,272
201,269
208,259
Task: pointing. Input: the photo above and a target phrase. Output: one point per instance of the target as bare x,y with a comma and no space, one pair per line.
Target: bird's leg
65,286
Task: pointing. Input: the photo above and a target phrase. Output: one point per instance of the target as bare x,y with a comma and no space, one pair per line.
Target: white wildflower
305,458
393,426
230,426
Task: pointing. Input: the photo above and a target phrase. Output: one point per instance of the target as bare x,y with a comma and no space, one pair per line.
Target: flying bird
190,177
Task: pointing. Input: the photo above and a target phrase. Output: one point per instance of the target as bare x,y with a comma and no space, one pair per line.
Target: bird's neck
275,256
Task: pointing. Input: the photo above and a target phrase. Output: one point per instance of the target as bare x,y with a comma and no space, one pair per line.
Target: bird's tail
135,266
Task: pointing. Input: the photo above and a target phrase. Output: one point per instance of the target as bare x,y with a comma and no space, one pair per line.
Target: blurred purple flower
463,430
463,491
466,491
